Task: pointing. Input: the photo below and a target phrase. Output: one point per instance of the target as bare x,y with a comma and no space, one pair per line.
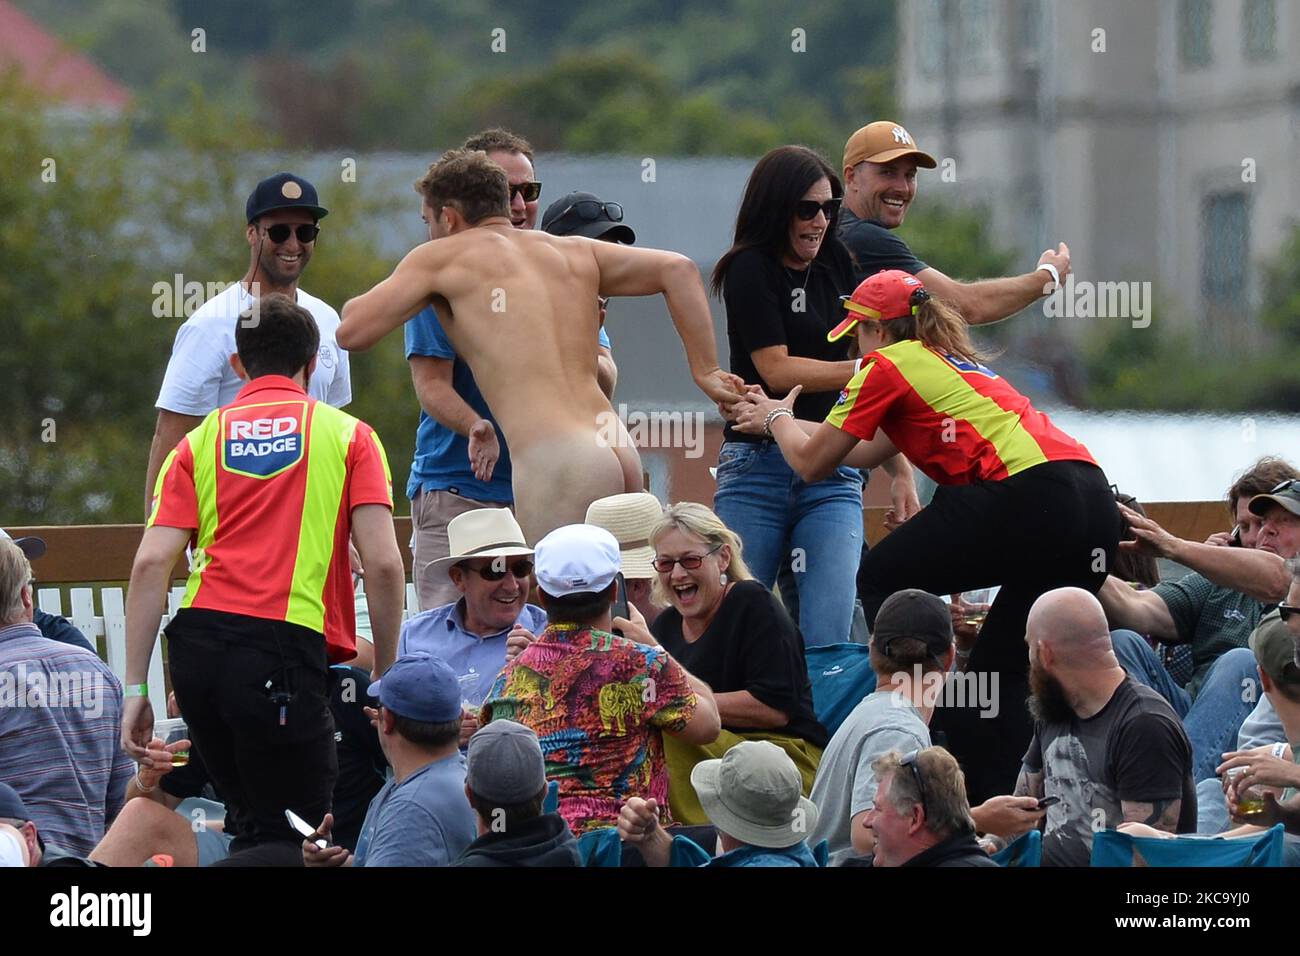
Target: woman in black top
781,282
729,631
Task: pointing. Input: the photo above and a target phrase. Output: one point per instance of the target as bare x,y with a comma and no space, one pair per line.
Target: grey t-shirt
423,821
845,784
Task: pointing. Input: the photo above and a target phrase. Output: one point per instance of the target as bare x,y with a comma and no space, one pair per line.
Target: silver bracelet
139,784
772,416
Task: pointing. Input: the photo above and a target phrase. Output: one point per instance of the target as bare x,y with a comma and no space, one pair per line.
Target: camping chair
1112,848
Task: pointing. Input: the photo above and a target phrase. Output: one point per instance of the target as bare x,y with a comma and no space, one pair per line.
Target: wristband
1278,750
139,785
1049,268
772,416
135,690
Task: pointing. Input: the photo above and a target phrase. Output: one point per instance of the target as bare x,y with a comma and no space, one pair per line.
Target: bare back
520,308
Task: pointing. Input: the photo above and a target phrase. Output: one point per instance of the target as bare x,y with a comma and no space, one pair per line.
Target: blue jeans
1228,694
775,512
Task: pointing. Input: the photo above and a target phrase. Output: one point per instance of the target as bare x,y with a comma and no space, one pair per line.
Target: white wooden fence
108,624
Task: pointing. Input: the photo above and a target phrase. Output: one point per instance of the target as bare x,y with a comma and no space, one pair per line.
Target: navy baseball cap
32,547
283,191
420,687
11,805
584,214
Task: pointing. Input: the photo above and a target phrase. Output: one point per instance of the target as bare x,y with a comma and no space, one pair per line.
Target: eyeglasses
590,210
1285,486
1286,610
689,562
807,210
280,232
530,191
491,572
912,760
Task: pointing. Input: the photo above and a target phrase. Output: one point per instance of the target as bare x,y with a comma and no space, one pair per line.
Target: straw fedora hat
482,533
630,518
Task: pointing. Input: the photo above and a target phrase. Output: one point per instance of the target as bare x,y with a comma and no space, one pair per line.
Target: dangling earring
722,579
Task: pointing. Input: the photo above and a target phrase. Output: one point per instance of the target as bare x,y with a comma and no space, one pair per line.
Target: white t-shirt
11,850
199,377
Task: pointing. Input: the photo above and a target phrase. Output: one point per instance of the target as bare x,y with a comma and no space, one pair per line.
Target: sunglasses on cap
590,210
1285,486
280,232
807,209
530,191
688,562
493,572
912,760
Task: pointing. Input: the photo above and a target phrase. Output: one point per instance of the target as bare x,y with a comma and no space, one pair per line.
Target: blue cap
283,191
11,804
420,687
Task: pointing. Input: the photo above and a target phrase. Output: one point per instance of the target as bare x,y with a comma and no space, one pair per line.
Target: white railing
109,625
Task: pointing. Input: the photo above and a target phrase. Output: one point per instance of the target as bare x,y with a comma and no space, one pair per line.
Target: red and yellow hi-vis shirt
268,484
957,421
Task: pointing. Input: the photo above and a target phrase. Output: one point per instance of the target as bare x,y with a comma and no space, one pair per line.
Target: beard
1048,702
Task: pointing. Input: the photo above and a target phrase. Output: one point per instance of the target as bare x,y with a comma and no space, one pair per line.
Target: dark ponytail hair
780,179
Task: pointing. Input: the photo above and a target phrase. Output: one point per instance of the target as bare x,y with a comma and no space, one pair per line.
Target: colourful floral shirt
598,704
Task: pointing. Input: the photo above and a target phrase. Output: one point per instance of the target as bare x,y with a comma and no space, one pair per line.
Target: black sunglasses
530,191
1285,611
1285,486
491,572
912,760
807,210
280,232
688,561
590,210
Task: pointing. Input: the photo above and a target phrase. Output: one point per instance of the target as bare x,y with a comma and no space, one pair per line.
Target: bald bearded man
520,307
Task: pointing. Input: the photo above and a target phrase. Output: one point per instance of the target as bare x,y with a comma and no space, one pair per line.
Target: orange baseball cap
883,142
881,297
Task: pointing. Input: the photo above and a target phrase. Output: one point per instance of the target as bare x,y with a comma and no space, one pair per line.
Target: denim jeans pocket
736,459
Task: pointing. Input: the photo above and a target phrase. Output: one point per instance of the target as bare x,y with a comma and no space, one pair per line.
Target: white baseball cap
576,558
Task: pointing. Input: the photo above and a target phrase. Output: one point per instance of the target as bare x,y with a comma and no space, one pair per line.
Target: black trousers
255,696
1054,525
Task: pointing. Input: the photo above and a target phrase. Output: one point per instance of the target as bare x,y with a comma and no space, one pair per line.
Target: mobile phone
305,829
620,600
1234,540
1046,802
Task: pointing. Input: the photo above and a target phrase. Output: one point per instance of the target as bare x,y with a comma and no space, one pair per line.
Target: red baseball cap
883,296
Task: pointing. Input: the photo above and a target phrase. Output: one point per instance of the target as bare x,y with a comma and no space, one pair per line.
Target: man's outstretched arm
628,271
992,300
1261,574
370,316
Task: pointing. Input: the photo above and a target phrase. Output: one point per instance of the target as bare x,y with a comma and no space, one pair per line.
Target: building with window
1160,138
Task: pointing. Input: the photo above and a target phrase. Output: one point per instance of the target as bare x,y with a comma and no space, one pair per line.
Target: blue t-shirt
423,821
441,455
477,660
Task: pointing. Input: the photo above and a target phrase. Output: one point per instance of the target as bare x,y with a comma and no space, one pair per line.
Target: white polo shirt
199,377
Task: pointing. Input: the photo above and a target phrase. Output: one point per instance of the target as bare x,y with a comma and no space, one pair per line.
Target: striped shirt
957,421
60,737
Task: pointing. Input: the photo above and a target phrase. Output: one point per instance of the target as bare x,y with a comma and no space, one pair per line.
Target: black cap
561,219
916,614
11,805
283,191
